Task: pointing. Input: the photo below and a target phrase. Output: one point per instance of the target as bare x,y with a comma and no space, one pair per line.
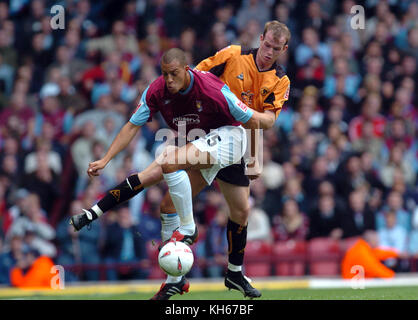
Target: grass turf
380,293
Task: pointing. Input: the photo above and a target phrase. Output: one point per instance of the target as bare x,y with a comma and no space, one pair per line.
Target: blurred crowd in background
341,159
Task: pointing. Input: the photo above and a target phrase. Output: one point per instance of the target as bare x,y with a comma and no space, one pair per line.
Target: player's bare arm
254,124
122,140
267,119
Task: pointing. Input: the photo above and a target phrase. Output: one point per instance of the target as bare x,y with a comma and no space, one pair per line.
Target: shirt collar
190,85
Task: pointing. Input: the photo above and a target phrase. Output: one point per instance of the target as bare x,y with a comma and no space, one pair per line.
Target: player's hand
94,167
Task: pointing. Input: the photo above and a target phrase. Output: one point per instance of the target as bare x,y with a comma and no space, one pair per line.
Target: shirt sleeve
239,110
142,112
216,64
275,100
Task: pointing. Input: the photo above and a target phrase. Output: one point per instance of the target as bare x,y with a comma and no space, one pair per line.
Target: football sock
169,223
124,191
237,240
172,279
181,194
96,211
234,268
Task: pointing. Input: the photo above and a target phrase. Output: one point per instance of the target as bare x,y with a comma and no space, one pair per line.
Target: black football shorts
234,174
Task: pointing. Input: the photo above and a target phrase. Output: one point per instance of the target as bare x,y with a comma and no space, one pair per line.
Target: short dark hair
174,54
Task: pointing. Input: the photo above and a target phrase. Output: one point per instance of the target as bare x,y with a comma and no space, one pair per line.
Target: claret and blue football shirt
206,104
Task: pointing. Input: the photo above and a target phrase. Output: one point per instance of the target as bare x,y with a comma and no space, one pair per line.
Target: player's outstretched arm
254,121
124,137
253,143
267,119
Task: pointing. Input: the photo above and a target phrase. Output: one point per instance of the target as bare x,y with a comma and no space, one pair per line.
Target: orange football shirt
260,90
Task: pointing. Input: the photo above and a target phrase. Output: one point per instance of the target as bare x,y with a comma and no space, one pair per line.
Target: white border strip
367,283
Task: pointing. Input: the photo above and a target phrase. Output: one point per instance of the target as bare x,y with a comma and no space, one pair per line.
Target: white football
176,258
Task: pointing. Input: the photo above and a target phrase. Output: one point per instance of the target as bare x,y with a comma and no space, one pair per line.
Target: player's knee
167,205
240,214
150,176
167,167
169,163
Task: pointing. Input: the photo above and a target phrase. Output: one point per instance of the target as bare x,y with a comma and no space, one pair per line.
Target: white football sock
97,210
172,279
181,193
169,223
234,267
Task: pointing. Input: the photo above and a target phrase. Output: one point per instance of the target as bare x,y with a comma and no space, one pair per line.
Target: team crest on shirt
247,97
199,105
264,91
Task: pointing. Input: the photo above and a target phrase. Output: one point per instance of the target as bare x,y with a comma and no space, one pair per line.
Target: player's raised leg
122,192
237,200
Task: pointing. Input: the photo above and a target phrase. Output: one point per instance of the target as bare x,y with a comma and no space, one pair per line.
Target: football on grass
176,258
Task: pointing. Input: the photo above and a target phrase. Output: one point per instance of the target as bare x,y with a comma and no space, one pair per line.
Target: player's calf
126,190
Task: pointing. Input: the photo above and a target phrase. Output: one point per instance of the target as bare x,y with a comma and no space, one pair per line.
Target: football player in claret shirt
256,78
189,99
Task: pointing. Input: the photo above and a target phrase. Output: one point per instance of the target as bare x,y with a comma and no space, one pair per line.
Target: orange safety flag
38,276
361,254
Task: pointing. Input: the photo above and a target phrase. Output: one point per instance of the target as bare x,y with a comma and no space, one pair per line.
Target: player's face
270,49
175,76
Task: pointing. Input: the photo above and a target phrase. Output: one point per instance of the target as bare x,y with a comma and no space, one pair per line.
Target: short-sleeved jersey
260,90
206,104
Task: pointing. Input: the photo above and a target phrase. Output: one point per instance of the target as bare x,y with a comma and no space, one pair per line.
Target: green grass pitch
379,293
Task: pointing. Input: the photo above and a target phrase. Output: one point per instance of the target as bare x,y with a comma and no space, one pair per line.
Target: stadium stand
289,258
348,130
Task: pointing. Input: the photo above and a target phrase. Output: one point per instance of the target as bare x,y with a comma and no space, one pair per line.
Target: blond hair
279,29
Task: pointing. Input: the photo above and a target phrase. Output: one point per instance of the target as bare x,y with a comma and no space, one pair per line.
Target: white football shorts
226,145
